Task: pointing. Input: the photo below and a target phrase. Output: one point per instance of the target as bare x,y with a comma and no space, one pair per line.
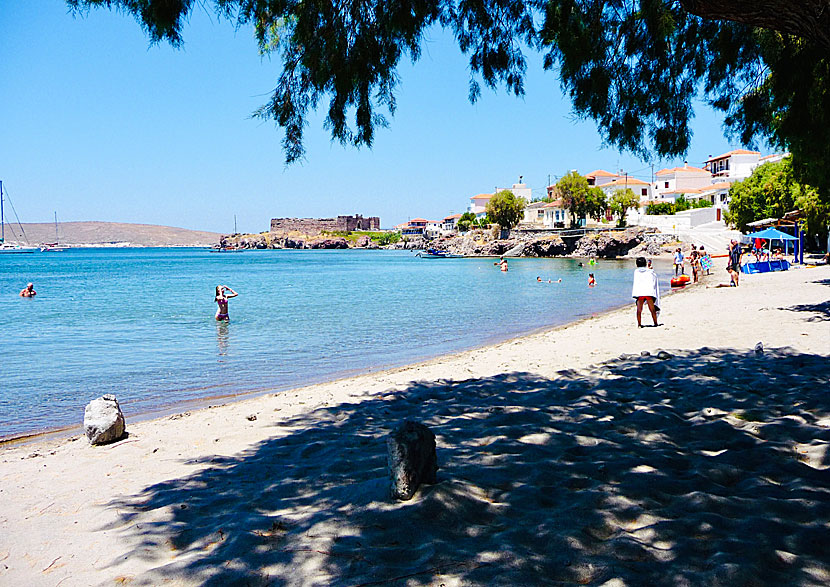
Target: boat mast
56,228
2,216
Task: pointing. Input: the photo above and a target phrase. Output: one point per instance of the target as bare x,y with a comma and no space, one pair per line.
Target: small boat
6,248
54,247
438,254
680,280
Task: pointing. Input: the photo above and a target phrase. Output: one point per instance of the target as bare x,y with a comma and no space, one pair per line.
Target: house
534,214
738,164
433,228
555,214
600,177
449,223
478,203
734,165
642,189
670,183
415,227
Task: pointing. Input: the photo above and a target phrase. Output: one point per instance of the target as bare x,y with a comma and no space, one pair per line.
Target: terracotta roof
482,197
417,220
451,216
601,173
554,204
734,152
686,169
720,185
623,182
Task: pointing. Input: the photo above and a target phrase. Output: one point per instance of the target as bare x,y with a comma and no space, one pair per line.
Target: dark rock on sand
412,459
103,420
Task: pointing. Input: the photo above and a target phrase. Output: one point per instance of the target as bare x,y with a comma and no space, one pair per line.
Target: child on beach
221,300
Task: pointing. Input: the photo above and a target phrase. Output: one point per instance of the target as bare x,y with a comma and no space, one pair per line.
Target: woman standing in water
221,300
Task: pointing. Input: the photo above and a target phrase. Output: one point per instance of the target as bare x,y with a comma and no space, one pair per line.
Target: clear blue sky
99,125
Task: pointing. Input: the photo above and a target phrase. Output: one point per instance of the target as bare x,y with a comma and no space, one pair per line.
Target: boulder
411,458
103,420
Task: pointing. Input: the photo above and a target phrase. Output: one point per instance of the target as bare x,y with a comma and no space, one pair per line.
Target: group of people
699,260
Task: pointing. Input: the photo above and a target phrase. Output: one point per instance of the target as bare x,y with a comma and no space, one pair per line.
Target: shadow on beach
705,468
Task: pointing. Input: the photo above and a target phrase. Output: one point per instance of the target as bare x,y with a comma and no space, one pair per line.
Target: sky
98,124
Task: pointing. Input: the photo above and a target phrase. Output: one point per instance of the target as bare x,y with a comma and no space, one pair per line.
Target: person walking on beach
28,291
678,262
734,267
646,290
221,300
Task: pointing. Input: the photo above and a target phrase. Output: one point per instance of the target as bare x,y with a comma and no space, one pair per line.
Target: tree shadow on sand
819,312
703,468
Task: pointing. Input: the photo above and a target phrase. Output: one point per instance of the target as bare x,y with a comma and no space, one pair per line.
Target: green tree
634,66
466,221
506,209
573,189
770,192
596,203
622,200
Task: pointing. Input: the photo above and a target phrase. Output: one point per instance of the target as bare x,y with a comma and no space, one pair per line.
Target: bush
660,208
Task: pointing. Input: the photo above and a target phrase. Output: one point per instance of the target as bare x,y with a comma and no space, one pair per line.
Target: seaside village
648,212
705,189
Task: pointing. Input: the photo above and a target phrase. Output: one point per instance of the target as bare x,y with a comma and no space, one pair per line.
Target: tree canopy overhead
633,66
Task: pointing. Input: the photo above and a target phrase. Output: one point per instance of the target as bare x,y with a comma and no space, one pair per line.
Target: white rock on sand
708,467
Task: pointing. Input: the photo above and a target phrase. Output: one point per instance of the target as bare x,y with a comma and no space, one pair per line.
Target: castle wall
314,226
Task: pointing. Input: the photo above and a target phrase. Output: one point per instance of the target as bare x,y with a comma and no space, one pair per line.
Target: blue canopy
772,234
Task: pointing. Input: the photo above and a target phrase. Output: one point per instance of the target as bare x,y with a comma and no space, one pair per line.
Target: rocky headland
480,243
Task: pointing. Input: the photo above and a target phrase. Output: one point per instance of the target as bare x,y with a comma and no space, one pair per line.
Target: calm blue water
139,322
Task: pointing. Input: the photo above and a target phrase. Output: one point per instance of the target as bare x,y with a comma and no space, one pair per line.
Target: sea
139,322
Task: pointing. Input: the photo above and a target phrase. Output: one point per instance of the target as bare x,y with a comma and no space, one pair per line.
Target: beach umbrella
772,234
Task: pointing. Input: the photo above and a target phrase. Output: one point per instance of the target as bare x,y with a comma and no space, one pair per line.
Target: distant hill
112,233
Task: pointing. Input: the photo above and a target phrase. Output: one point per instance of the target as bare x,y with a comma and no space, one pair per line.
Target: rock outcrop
412,459
103,420
609,244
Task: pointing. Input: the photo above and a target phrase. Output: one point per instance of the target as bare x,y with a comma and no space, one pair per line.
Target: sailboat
4,246
235,249
54,247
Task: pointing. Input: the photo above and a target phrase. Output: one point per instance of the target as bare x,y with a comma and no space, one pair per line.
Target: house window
666,185
644,192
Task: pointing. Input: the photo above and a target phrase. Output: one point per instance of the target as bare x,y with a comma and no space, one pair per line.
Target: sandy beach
581,455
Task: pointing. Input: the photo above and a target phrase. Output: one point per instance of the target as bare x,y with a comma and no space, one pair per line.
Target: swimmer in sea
28,291
591,281
221,300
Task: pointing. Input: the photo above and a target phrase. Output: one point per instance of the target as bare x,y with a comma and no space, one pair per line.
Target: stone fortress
314,226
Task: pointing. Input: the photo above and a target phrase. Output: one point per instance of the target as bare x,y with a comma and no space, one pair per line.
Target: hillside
112,233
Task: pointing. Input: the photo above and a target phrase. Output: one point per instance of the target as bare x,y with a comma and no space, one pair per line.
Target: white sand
560,463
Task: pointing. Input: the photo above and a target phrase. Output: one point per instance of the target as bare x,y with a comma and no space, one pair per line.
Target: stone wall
314,226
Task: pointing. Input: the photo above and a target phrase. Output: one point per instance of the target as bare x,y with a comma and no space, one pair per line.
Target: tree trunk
809,19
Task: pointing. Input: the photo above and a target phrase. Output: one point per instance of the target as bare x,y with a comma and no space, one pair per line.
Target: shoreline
200,403
564,443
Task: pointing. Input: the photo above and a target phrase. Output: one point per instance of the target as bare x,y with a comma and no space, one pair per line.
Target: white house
534,214
478,203
670,183
449,223
642,189
433,228
555,214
